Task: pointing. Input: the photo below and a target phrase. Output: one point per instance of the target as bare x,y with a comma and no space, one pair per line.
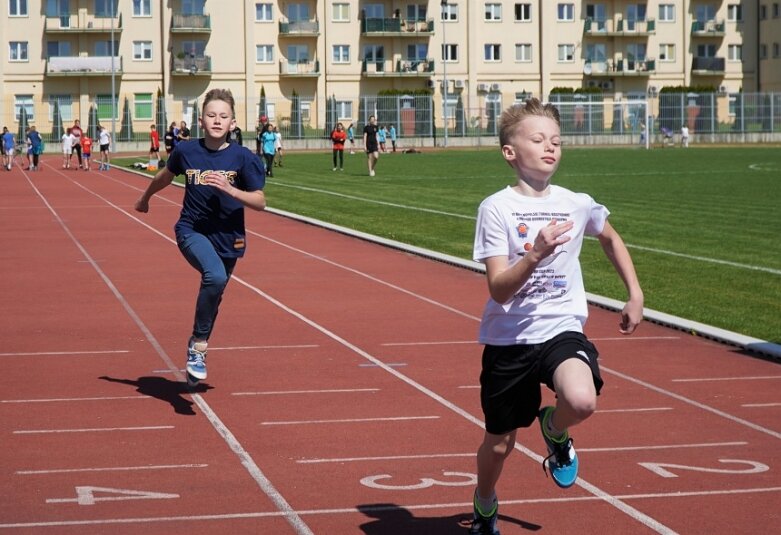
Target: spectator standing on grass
184,132
277,147
392,134
169,139
338,137
381,136
529,237
685,136
221,178
154,143
370,144
351,137
268,145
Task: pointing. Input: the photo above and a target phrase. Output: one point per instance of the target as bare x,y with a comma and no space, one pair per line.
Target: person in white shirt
684,136
104,140
67,148
529,237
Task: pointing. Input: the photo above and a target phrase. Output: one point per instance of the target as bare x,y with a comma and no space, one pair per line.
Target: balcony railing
191,23
708,66
303,28
403,67
397,27
301,69
83,65
82,23
619,27
621,67
191,65
708,28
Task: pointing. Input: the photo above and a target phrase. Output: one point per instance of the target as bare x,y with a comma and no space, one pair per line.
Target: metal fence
129,117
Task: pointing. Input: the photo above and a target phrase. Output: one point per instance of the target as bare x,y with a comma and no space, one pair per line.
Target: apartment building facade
117,54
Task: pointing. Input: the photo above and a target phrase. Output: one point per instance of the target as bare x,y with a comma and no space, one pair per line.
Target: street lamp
443,15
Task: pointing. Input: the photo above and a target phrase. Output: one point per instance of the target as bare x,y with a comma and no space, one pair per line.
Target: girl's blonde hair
512,117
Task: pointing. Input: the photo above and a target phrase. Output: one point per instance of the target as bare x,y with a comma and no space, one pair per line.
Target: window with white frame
417,12
56,49
493,11
64,105
264,12
306,111
17,8
26,102
104,8
566,53
142,106
417,52
596,52
344,109
450,53
523,52
666,12
341,53
449,12
523,12
734,12
666,52
565,12
735,52
492,52
17,51
103,48
264,53
142,8
340,12
142,50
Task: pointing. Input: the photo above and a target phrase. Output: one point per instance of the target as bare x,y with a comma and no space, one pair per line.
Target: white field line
706,379
61,353
109,469
351,420
91,430
62,400
300,392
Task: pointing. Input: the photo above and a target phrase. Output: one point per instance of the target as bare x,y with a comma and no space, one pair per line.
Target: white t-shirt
104,138
67,143
553,300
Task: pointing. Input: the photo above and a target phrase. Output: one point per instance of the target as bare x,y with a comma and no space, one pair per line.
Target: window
142,8
667,52
775,50
17,51
566,53
523,52
26,102
763,51
735,52
306,111
666,12
104,8
449,12
341,54
450,53
598,15
57,49
762,12
417,52
416,12
776,10
297,12
523,12
58,8
344,109
264,53
142,50
374,11
64,105
142,109
103,48
566,12
493,12
492,52
340,12
734,13
104,106
596,52
706,51
193,7
17,8
263,12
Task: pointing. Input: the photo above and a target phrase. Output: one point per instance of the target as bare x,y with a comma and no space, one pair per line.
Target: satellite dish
587,68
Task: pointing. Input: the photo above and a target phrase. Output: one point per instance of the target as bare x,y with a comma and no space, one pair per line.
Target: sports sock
554,434
485,506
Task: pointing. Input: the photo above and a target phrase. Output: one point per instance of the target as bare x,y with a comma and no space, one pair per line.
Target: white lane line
297,392
244,348
246,460
56,400
109,469
704,379
474,342
760,405
461,506
641,409
445,343
350,420
62,353
632,339
471,454
391,364
92,430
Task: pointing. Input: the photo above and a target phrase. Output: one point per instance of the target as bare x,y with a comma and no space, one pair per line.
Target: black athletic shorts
510,381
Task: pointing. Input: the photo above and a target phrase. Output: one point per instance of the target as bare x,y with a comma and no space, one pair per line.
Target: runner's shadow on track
165,390
392,519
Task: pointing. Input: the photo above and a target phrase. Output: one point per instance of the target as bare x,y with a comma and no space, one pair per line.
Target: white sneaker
334,169
371,173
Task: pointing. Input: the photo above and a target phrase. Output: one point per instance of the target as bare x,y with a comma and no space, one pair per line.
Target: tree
161,121
23,124
460,118
126,126
56,123
296,128
195,124
92,122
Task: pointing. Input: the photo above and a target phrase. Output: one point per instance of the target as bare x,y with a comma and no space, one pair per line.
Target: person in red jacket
338,137
86,150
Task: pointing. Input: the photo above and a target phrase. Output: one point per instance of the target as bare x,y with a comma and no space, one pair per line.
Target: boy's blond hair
512,117
224,95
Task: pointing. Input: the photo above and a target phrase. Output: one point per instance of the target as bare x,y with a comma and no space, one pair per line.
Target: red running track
342,395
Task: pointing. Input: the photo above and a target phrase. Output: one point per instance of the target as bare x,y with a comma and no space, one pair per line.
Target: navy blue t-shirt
207,210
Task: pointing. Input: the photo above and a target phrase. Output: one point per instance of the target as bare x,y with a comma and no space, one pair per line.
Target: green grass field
702,224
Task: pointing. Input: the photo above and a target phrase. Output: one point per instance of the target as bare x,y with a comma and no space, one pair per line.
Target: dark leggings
77,150
269,162
340,153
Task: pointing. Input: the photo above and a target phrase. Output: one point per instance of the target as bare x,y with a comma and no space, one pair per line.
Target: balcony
83,66
708,28
396,27
620,68
191,23
191,65
708,66
619,27
404,68
299,69
299,28
82,23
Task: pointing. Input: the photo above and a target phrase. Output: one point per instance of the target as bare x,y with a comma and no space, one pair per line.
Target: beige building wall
245,45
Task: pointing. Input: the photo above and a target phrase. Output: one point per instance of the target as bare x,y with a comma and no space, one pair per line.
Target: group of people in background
33,147
268,145
375,139
76,141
